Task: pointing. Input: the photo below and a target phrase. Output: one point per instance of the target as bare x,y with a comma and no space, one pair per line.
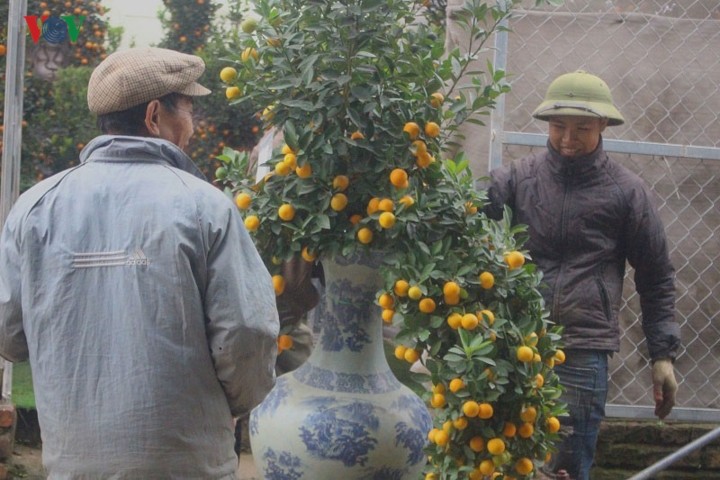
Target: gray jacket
586,218
145,310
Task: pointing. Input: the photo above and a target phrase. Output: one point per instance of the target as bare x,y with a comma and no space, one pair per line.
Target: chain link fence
661,59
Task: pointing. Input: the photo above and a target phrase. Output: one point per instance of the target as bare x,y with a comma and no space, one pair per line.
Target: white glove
664,387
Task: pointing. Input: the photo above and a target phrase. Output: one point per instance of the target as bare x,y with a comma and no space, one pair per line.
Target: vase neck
351,335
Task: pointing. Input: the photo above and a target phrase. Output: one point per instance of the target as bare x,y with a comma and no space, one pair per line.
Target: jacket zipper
563,242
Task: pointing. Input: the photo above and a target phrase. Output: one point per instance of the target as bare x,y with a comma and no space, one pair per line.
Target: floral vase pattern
343,414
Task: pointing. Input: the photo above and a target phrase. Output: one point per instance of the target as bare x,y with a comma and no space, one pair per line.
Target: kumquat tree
368,103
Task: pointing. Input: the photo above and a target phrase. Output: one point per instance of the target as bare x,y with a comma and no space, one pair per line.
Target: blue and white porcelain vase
342,414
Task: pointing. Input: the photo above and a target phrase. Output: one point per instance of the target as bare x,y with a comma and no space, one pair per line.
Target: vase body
342,414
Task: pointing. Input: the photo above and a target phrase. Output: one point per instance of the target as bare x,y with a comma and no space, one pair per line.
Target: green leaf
290,135
323,221
423,247
301,104
365,54
453,357
361,93
285,83
426,270
465,269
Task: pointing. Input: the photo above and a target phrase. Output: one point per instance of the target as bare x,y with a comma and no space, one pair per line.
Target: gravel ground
26,464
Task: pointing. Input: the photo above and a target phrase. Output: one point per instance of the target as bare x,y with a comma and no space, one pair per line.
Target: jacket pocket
604,295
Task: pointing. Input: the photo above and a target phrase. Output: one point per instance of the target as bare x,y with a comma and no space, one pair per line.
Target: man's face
575,136
177,126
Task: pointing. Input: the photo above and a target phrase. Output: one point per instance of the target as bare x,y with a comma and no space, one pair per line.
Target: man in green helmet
587,216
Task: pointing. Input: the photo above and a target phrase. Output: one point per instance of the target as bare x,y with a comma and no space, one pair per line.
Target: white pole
12,132
497,115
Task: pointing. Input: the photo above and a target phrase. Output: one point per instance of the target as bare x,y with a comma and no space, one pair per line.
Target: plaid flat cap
131,77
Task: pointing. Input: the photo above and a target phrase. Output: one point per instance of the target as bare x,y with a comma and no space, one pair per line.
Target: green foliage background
56,122
54,130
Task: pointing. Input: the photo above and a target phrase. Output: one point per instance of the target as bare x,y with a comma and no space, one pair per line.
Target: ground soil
26,463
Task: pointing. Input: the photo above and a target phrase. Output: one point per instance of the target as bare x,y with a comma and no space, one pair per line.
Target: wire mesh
662,62
664,70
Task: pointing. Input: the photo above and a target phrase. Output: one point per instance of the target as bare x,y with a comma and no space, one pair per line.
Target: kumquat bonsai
368,103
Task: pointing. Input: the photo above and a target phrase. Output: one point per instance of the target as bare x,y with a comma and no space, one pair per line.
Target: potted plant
368,102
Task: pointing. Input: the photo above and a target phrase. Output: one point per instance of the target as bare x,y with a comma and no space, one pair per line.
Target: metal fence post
12,132
497,116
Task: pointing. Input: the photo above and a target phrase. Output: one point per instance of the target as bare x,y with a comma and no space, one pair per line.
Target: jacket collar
119,148
576,168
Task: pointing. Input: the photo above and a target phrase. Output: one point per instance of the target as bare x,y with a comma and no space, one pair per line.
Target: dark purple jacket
585,218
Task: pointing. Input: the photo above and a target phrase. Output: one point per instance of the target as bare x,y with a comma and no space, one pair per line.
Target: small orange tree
367,101
188,27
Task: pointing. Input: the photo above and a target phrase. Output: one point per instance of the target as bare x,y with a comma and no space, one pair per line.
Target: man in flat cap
133,288
587,216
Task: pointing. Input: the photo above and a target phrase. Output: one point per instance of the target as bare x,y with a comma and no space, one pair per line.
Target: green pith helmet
579,94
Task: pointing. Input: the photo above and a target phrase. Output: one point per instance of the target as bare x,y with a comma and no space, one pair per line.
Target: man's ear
152,118
603,124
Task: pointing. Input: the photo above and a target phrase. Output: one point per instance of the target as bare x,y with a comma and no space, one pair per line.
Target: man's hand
664,387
